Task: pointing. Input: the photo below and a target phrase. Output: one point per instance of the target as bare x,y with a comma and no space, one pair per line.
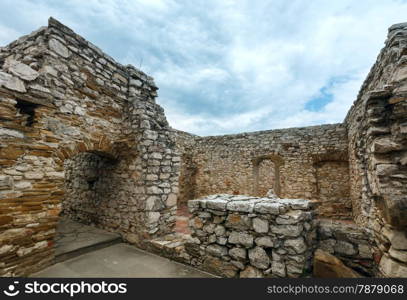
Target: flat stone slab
121,260
73,236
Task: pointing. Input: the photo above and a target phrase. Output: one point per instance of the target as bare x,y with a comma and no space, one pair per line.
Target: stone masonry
82,136
308,163
246,236
60,98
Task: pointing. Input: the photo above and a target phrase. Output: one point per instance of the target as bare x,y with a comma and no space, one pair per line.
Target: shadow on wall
91,183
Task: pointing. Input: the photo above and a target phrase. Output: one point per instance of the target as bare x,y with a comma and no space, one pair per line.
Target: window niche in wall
266,175
27,112
333,189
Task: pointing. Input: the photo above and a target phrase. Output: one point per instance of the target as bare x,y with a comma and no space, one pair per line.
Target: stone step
100,245
74,238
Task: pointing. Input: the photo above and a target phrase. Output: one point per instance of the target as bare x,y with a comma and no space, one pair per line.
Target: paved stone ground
73,236
121,260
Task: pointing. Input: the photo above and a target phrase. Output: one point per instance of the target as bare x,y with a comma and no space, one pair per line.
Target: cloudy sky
231,66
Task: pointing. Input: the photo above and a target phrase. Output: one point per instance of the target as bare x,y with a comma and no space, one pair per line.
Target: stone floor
121,260
74,238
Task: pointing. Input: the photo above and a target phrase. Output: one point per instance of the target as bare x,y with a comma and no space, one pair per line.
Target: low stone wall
353,245
243,236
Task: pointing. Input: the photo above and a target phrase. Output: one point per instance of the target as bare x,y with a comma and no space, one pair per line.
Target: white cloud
231,66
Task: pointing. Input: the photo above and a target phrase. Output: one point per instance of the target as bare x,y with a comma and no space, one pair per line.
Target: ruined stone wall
242,236
294,162
378,153
60,96
352,244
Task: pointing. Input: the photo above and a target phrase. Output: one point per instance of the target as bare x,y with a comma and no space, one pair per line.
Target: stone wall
293,162
353,245
60,97
91,186
377,132
72,119
242,236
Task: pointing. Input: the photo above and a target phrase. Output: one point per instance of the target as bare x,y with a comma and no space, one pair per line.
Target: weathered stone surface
21,70
240,238
268,208
287,230
391,268
251,272
278,269
398,255
260,225
239,222
292,217
15,84
216,250
345,248
240,206
298,245
328,266
219,267
238,253
59,48
265,242
259,258
398,239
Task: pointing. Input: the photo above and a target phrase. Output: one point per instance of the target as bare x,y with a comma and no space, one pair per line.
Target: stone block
328,266
241,238
259,258
260,225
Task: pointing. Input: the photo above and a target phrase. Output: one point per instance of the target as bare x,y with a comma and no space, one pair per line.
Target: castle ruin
81,136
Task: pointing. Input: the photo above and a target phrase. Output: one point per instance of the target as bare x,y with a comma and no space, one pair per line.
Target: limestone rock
238,222
398,254
328,266
217,250
278,269
21,70
345,248
298,245
238,253
264,241
59,48
398,239
15,84
392,268
219,267
268,208
260,225
241,238
251,272
292,217
259,258
287,230
240,206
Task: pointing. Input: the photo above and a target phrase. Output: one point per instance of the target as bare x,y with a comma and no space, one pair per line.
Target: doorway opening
91,183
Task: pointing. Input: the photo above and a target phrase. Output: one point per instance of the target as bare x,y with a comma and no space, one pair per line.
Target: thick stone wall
242,236
378,153
293,162
60,96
